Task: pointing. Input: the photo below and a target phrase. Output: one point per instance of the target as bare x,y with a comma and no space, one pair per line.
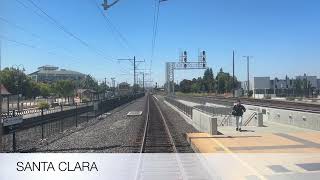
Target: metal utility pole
134,70
234,88
143,81
19,80
248,74
105,88
134,62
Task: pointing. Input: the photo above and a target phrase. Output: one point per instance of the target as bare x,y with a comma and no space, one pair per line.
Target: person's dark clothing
238,110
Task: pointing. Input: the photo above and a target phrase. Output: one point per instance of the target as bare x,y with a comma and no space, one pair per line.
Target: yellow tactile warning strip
302,142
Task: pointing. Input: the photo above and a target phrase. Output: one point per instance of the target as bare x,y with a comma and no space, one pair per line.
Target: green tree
32,89
298,87
64,88
225,82
44,89
89,83
185,86
14,79
208,80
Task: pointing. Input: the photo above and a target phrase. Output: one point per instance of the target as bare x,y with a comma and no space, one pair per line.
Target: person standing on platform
237,111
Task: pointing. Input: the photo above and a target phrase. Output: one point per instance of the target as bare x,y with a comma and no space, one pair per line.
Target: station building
50,74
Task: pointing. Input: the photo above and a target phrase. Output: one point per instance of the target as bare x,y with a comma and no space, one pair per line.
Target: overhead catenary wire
115,30
18,27
36,36
45,16
110,28
34,47
65,30
154,29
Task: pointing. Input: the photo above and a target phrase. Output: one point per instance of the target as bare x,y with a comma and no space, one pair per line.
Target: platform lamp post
19,88
248,73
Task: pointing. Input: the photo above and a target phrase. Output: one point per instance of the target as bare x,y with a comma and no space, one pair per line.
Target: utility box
213,126
260,119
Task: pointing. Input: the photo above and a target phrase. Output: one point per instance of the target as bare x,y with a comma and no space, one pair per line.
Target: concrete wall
204,122
290,117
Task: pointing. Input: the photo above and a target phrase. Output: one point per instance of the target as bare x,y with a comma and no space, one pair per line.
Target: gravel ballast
115,133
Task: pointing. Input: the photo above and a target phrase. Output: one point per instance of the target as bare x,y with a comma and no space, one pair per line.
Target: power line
51,20
113,29
34,47
18,27
108,24
51,52
64,29
17,42
37,36
155,27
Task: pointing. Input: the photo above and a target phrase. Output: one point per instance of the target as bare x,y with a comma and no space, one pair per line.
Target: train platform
298,142
261,155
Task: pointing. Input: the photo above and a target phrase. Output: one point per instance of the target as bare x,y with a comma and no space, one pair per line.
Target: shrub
290,98
43,105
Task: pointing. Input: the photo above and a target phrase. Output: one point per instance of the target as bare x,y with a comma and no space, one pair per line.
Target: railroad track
157,138
296,106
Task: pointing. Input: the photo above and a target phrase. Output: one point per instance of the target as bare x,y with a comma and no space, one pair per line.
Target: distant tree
31,89
45,89
89,83
102,87
185,86
298,87
64,88
14,80
225,82
208,80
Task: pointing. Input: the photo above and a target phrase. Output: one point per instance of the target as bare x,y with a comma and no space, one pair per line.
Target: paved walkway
273,152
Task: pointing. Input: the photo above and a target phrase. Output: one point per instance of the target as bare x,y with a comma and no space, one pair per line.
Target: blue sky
283,36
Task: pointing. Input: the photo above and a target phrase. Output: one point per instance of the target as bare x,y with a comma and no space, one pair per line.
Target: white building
261,83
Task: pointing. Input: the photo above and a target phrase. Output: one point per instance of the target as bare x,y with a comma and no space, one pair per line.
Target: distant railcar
124,89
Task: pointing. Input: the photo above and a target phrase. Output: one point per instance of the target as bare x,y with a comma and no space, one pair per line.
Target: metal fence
182,107
36,130
216,111
223,112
